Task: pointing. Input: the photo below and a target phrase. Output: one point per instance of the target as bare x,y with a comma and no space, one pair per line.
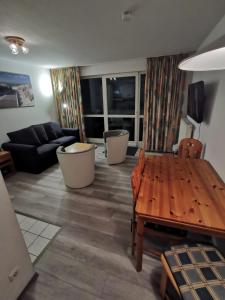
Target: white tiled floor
50,231
37,234
38,245
29,238
26,223
38,227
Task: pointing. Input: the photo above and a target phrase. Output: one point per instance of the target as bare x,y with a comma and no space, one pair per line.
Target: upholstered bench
196,271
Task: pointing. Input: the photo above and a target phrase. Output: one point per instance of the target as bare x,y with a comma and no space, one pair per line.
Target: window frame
105,114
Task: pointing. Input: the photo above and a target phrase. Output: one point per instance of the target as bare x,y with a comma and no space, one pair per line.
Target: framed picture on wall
15,90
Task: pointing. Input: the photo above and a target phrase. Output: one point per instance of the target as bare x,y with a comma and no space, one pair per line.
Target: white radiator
186,129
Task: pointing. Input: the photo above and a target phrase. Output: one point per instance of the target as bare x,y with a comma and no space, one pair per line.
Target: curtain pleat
67,94
164,88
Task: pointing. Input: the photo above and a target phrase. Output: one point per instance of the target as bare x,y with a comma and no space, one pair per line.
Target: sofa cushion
46,149
65,140
50,131
57,129
53,130
25,136
41,133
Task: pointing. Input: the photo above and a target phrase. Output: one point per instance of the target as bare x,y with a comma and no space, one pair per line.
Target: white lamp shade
207,61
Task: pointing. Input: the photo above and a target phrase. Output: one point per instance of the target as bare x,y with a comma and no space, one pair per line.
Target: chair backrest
190,148
115,132
141,160
136,182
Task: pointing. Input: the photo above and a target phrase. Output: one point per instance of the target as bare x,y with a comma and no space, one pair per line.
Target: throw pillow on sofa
57,129
25,136
49,131
53,130
41,133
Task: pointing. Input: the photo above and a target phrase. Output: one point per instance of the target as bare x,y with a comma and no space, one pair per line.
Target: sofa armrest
71,132
25,157
31,149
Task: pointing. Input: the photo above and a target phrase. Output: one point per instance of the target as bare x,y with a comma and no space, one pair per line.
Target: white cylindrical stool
77,163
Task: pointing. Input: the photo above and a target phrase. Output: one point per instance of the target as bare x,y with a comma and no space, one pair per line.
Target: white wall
212,133
44,110
131,65
212,129
213,126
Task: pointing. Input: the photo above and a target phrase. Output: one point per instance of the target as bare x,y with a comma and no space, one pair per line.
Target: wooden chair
165,277
180,263
135,184
190,148
141,160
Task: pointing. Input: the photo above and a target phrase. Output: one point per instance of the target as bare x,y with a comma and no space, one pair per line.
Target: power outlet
13,274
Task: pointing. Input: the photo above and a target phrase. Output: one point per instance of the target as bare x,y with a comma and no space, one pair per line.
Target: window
141,130
123,123
121,95
113,101
91,90
94,127
142,101
142,94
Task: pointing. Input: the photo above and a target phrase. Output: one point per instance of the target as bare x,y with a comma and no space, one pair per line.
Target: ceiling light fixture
126,16
16,45
207,61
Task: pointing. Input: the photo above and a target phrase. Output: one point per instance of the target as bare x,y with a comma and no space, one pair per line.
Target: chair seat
198,270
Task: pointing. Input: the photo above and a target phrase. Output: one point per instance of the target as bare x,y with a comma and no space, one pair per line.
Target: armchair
116,142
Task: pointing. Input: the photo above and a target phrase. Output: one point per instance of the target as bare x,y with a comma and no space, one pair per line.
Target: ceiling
83,32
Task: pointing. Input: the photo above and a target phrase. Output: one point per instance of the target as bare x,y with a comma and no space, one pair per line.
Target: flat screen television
196,100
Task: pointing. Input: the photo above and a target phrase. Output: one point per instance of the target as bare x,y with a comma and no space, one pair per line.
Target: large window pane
94,127
123,123
121,95
91,90
141,130
142,94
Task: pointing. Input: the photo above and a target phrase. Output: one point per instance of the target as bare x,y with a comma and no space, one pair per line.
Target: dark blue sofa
33,149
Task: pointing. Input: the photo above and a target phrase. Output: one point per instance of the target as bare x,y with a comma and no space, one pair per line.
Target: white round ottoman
77,163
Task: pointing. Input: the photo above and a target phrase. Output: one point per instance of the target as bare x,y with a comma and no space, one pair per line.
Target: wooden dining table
181,193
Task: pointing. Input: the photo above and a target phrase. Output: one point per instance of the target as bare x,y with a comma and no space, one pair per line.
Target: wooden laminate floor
90,257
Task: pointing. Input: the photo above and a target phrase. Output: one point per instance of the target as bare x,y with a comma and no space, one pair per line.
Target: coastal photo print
15,90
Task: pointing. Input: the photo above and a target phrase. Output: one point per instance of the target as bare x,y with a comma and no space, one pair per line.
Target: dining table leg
139,243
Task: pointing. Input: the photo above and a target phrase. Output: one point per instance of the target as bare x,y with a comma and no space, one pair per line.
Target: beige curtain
164,87
67,94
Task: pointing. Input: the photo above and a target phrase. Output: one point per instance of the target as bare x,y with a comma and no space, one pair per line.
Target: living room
95,99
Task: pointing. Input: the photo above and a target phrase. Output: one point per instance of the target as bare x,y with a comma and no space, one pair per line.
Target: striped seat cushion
199,271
